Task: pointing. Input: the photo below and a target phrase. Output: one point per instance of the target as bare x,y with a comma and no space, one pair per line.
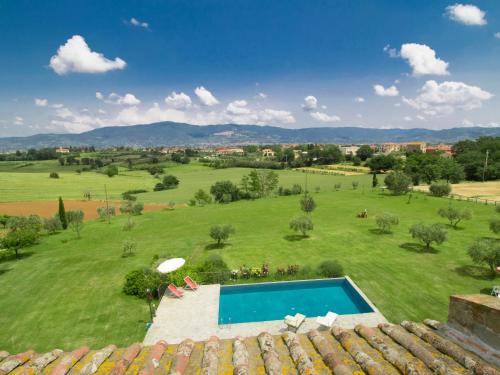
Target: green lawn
67,292
35,184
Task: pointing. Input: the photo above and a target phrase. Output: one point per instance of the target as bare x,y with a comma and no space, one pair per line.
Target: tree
383,163
398,182
52,224
220,233
75,220
439,189
128,248
262,183
374,180
486,250
451,171
302,224
225,192
15,240
106,211
455,215
111,170
170,182
202,198
385,221
428,234
54,175
62,214
307,204
364,152
330,268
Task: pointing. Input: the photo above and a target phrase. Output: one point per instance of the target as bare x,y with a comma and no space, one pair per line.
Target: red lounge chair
191,283
175,291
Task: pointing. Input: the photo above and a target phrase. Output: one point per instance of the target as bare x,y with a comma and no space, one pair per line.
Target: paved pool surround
196,315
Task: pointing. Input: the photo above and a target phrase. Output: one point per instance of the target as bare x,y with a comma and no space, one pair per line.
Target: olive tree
486,251
221,233
385,221
15,240
428,234
307,204
302,224
455,215
398,183
75,220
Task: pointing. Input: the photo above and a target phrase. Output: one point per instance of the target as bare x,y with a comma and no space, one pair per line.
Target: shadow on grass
12,256
454,228
5,270
295,237
379,231
216,246
417,248
486,291
476,272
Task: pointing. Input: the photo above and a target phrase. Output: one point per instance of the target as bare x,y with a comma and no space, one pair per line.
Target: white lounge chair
327,320
293,322
495,291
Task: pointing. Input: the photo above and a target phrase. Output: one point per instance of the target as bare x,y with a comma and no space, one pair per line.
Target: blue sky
71,66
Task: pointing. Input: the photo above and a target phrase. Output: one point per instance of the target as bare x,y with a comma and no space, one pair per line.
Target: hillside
176,134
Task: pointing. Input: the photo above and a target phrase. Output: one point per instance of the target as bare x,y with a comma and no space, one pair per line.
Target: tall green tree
62,214
364,152
374,180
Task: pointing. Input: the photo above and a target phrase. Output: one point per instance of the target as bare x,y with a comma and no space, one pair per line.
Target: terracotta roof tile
409,348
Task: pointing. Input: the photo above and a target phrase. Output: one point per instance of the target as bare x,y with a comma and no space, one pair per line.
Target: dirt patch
484,190
49,208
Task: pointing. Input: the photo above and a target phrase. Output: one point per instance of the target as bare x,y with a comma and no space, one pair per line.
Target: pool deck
196,314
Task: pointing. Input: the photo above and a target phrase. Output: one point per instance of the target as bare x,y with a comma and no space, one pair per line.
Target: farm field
485,190
69,290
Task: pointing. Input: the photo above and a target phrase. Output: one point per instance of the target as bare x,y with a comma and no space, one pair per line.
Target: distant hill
176,134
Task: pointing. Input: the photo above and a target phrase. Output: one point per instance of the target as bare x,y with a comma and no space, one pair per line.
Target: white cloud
135,22
359,115
359,99
57,105
179,101
423,60
114,98
444,98
41,102
270,116
205,96
397,105
310,103
18,120
261,95
238,107
382,91
467,14
76,56
392,52
420,117
407,118
75,122
323,117
497,35
466,122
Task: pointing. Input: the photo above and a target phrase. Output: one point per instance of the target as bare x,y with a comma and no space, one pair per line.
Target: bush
214,270
385,221
337,186
54,175
330,268
439,189
170,182
155,169
220,233
32,222
128,248
225,192
307,204
52,225
137,281
355,185
495,225
111,170
398,183
104,212
296,189
201,198
302,224
129,225
129,194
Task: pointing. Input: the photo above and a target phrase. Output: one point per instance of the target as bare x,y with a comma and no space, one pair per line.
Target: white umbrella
171,265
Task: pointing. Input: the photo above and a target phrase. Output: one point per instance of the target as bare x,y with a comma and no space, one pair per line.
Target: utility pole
486,163
107,205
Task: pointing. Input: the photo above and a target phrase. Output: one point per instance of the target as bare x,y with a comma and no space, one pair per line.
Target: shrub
307,204
75,220
385,221
32,222
111,170
337,186
355,185
54,175
129,194
330,268
495,225
214,270
439,189
398,183
220,233
201,198
3,220
137,281
455,215
131,208
104,212
225,192
302,224
129,225
170,182
486,250
52,225
296,189
428,234
128,248
155,169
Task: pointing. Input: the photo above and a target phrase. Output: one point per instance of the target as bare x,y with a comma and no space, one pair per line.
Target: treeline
480,158
41,154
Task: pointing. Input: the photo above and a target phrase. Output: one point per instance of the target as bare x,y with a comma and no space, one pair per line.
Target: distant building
171,150
445,150
389,147
415,147
229,151
268,153
62,150
349,150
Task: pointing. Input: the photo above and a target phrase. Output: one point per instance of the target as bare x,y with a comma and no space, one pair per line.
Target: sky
73,66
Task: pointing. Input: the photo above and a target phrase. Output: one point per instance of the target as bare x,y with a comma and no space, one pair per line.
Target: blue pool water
272,301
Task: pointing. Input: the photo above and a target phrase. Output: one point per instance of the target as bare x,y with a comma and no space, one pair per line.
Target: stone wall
477,315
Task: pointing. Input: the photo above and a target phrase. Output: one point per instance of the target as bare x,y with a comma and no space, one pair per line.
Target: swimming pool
272,301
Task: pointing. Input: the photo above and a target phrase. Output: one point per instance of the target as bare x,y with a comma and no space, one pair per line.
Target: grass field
67,292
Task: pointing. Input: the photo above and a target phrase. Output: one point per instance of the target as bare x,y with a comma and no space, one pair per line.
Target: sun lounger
191,283
327,320
175,291
495,291
293,322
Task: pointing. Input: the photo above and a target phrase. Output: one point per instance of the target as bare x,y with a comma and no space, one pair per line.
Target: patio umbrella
171,265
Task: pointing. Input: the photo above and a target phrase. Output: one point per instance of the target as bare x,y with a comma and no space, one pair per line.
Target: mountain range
177,134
